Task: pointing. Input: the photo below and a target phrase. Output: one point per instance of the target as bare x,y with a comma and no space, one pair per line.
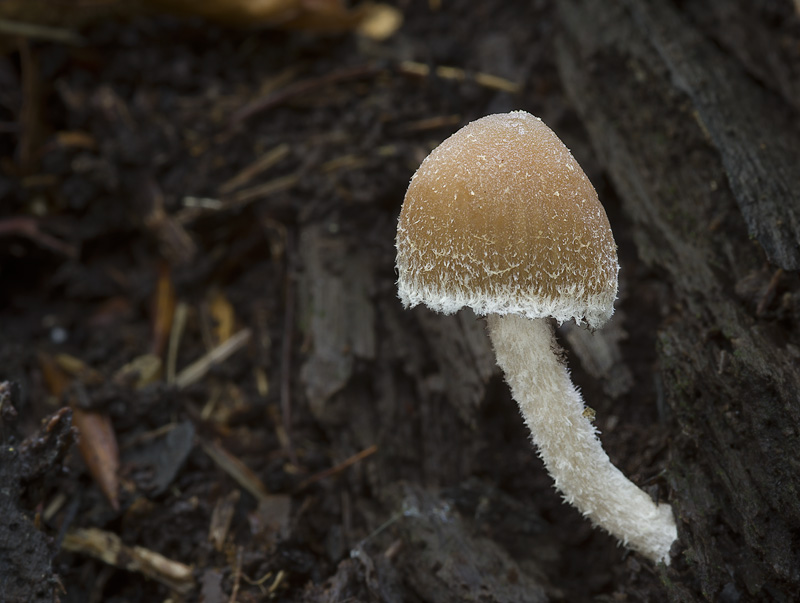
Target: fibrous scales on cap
502,219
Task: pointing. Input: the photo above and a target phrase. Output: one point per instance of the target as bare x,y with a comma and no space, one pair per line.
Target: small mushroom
501,218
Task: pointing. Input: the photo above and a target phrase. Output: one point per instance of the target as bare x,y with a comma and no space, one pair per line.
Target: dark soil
119,215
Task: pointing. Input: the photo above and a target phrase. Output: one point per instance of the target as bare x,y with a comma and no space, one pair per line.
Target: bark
694,115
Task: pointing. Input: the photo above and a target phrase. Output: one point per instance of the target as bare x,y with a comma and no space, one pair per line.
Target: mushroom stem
567,441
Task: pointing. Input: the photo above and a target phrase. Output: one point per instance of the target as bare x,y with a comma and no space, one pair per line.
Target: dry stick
259,583
338,468
109,548
222,352
259,191
236,469
237,576
164,309
299,88
433,123
40,32
23,226
251,171
175,335
278,581
487,80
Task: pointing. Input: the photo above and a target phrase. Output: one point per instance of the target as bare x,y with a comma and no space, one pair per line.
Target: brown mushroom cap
501,218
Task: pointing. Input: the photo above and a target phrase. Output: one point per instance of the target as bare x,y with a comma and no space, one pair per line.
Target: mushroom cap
501,218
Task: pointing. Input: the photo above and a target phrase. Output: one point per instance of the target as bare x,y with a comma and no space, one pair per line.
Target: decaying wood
338,312
348,449
754,132
427,551
600,353
705,159
447,562
352,343
464,355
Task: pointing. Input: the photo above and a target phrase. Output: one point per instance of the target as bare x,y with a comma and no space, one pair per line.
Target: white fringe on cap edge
572,304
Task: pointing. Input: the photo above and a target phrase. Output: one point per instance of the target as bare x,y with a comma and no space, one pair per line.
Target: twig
109,548
24,226
278,581
40,32
487,80
164,312
338,468
303,87
262,190
432,123
236,469
259,583
222,352
175,335
255,168
237,576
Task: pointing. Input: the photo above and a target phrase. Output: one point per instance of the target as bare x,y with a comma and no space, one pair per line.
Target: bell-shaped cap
501,218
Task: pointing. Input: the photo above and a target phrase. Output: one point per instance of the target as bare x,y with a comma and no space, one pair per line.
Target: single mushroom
501,218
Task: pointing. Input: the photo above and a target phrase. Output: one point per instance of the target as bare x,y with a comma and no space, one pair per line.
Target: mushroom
501,218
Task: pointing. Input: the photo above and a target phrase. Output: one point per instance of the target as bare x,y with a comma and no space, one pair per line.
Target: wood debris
109,548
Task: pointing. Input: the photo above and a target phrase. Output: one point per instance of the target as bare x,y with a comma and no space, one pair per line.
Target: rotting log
699,132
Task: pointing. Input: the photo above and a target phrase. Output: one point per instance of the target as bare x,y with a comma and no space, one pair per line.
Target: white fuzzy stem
567,441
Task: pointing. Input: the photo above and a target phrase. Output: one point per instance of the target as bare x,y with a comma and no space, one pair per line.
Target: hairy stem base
567,441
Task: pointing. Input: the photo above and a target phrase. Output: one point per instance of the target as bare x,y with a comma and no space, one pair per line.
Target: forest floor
178,202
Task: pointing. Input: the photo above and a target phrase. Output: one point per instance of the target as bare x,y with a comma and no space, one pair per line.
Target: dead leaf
97,442
100,452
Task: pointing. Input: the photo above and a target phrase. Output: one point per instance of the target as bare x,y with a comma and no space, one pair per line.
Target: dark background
169,184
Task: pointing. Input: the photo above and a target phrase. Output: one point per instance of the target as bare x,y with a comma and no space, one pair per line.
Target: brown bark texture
694,115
